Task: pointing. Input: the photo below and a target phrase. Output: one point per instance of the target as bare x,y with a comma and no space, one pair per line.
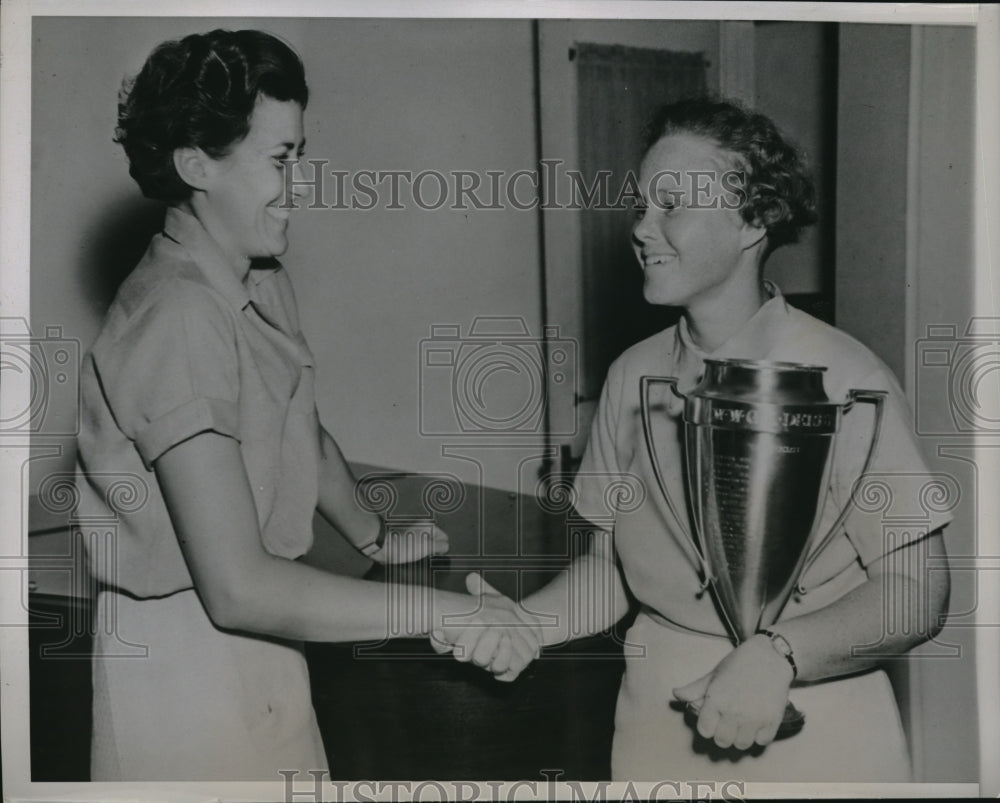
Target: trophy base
791,722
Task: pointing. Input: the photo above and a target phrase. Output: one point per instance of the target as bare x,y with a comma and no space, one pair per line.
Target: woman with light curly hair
721,190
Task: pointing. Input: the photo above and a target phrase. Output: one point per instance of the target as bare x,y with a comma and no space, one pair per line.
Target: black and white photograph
499,401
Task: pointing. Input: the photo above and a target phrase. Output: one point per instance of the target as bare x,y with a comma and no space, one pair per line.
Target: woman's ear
752,235
192,165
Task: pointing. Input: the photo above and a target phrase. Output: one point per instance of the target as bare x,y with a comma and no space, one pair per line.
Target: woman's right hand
500,636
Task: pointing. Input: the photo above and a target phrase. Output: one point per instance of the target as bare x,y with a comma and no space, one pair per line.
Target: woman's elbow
939,597
229,602
936,584
922,581
224,608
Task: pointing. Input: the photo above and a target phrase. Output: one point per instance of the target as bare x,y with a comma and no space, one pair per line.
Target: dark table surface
397,710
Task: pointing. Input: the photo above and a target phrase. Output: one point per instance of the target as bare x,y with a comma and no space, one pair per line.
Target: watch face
780,643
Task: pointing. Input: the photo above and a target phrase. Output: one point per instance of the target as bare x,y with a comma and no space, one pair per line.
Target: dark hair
779,192
200,91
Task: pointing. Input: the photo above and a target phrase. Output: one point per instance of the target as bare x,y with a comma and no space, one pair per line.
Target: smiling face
243,192
692,246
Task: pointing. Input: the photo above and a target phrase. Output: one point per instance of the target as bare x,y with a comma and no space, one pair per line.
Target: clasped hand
743,699
499,636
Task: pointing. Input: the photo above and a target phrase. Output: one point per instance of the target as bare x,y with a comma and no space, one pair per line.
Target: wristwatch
783,648
375,545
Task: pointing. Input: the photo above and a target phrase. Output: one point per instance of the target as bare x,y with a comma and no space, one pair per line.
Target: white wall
904,261
872,132
417,95
792,88
941,275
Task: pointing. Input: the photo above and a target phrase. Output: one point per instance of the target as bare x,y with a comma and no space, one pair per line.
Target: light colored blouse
659,564
187,348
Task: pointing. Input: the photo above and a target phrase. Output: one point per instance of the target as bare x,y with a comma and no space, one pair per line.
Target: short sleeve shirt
187,347
658,558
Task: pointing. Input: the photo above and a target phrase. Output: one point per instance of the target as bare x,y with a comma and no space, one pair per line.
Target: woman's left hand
418,540
743,699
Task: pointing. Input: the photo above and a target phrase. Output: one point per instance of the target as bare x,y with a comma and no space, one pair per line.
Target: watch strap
783,648
377,543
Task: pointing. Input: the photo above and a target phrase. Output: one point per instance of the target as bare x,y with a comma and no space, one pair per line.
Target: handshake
499,636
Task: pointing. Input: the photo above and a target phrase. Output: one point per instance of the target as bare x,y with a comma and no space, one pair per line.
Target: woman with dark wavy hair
199,393
721,189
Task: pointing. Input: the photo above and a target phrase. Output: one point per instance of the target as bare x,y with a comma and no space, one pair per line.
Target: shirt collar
755,341
187,231
262,270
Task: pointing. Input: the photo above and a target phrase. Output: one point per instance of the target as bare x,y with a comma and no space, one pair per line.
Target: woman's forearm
889,614
243,587
585,599
297,601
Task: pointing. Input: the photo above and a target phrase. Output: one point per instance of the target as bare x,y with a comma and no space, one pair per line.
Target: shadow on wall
116,240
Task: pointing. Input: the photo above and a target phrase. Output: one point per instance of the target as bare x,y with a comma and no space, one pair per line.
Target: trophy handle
645,383
876,397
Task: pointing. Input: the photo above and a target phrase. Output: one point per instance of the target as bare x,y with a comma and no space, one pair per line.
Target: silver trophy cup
758,448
